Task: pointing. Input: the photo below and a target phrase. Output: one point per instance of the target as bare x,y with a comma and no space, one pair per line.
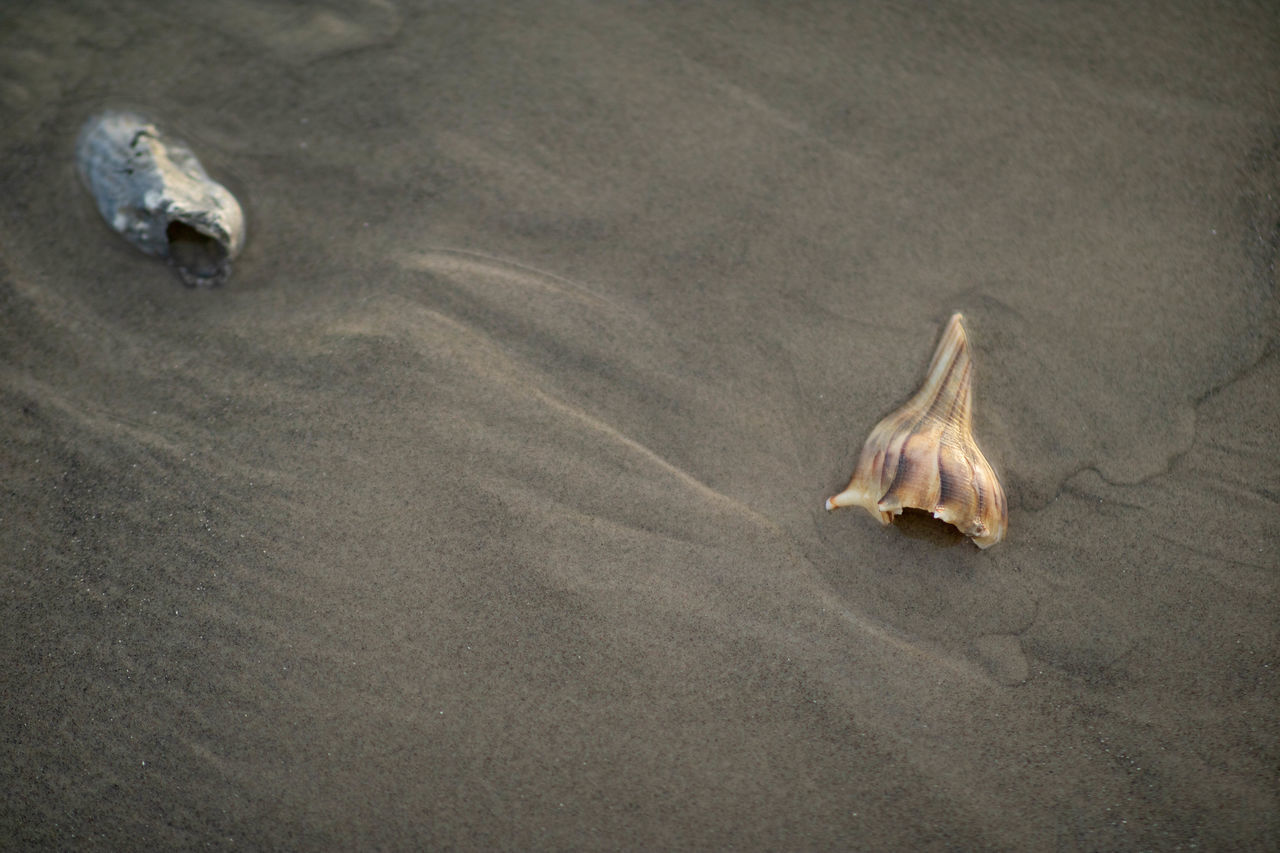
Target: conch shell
924,456
153,190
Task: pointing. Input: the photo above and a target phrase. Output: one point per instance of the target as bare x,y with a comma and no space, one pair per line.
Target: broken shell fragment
924,456
154,192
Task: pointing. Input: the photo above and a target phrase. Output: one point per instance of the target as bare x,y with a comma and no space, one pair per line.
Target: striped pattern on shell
924,455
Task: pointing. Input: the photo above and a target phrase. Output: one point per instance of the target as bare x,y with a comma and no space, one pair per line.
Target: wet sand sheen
483,506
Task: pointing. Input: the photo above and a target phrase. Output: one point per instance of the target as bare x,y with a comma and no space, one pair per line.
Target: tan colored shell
924,456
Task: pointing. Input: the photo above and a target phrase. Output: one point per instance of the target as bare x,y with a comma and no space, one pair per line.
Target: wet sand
483,507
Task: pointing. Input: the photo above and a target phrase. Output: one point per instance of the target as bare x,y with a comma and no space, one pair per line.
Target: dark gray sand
484,506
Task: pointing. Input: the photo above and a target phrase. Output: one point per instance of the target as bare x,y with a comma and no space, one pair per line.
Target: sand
483,507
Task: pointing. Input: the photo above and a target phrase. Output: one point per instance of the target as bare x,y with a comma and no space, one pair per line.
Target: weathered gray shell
154,191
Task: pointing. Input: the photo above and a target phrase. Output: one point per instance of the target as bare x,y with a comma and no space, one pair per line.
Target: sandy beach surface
483,506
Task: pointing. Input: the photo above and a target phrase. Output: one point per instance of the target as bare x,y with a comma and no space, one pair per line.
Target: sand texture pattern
483,506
